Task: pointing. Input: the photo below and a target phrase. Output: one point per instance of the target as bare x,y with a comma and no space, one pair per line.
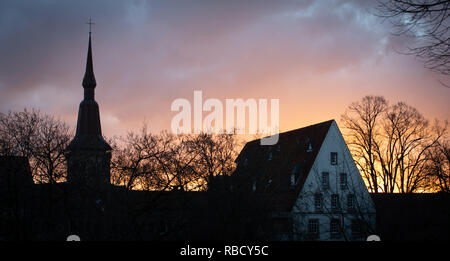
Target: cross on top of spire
90,23
89,78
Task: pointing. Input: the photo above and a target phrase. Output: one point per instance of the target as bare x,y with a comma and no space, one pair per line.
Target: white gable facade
334,203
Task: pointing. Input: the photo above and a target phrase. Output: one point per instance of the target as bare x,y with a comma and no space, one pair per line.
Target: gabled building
311,185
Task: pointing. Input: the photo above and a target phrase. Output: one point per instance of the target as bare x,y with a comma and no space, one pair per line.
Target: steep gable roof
270,167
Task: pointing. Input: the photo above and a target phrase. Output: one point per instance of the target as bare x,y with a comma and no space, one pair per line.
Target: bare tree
397,156
145,161
165,161
214,155
427,22
362,119
409,137
438,167
41,138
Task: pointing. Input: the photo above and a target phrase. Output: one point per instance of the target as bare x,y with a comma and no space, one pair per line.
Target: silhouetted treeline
141,160
166,161
394,146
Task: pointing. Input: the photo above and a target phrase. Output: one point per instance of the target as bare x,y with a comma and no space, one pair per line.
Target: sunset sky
315,56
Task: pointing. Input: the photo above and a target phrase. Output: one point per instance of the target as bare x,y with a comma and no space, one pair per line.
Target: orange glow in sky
315,56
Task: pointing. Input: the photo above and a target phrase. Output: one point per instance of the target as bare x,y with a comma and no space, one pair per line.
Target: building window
295,175
325,179
333,158
334,202
270,155
343,180
357,227
318,202
335,228
350,202
254,186
313,227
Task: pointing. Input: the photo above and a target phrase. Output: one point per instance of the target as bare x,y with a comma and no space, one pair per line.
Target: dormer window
309,149
308,145
295,175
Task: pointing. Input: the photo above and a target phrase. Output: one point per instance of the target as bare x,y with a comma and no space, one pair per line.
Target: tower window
333,158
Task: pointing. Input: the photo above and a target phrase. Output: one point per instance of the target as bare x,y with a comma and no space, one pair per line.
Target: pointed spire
89,77
88,134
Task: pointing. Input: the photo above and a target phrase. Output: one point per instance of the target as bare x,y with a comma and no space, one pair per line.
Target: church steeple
88,154
89,134
89,77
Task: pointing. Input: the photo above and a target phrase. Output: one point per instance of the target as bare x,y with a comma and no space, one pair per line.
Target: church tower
88,154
